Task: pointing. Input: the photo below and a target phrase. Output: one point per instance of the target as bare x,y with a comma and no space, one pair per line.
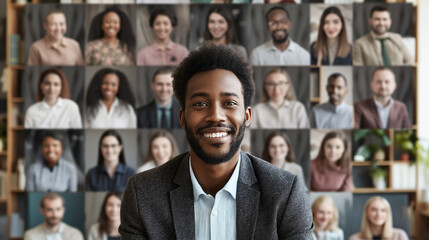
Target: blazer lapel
373,109
247,200
152,115
182,203
393,115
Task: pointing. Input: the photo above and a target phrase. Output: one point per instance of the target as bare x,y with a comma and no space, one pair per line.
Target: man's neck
282,46
378,36
213,178
52,228
335,103
383,101
55,41
163,103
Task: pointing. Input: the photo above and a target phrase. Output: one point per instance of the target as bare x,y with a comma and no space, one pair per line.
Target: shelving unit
15,11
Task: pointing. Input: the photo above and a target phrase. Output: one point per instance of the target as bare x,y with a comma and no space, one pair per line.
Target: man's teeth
216,134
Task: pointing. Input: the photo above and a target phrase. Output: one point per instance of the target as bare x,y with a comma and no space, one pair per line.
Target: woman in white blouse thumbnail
110,101
278,107
53,108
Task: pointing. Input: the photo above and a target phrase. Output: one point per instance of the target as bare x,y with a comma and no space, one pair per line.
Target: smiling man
163,111
215,191
55,48
335,113
381,47
280,50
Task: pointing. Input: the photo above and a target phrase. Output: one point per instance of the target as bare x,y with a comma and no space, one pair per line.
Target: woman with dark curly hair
331,46
111,40
220,29
110,101
111,172
109,219
163,51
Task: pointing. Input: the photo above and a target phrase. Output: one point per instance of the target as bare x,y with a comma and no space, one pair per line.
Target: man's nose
216,114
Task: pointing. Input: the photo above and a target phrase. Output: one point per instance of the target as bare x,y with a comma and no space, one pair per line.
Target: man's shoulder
35,233
265,47
364,39
364,102
147,107
395,36
71,233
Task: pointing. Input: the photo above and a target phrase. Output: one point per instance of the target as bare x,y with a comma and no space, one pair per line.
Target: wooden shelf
17,190
17,67
387,190
3,200
18,128
3,153
366,163
17,100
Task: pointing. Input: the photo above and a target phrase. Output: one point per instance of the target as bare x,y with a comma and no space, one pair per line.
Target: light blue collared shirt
215,217
383,112
167,114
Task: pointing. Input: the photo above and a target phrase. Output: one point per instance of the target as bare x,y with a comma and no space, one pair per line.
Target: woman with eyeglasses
278,107
111,172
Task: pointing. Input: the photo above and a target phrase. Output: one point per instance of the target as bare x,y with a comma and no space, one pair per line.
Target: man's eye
200,104
230,103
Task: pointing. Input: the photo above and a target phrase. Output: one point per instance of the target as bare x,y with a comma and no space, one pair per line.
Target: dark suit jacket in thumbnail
146,115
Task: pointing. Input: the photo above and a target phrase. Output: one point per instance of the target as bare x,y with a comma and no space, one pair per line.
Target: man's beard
214,159
378,32
280,40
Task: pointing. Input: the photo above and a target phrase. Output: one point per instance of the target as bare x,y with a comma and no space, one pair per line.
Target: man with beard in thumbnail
215,191
281,50
379,46
52,207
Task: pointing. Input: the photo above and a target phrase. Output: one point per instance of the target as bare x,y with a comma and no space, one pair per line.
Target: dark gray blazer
271,203
146,115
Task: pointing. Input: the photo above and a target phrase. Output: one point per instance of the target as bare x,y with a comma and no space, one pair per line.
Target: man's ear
248,116
182,118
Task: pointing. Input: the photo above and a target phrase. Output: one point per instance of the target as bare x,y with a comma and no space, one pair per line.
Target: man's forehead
379,14
337,81
199,81
277,13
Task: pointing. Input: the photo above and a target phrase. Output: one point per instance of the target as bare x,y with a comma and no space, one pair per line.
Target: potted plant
372,151
378,176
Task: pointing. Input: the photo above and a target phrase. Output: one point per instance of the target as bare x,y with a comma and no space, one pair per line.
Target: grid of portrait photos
332,100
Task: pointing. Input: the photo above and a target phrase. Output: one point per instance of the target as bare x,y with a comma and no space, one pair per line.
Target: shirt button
214,212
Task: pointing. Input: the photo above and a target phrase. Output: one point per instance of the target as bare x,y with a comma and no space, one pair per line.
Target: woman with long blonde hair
377,222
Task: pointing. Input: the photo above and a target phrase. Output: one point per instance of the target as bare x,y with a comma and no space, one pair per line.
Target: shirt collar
388,35
286,104
169,46
378,105
168,107
60,229
337,108
230,186
114,104
59,103
50,44
55,166
119,169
